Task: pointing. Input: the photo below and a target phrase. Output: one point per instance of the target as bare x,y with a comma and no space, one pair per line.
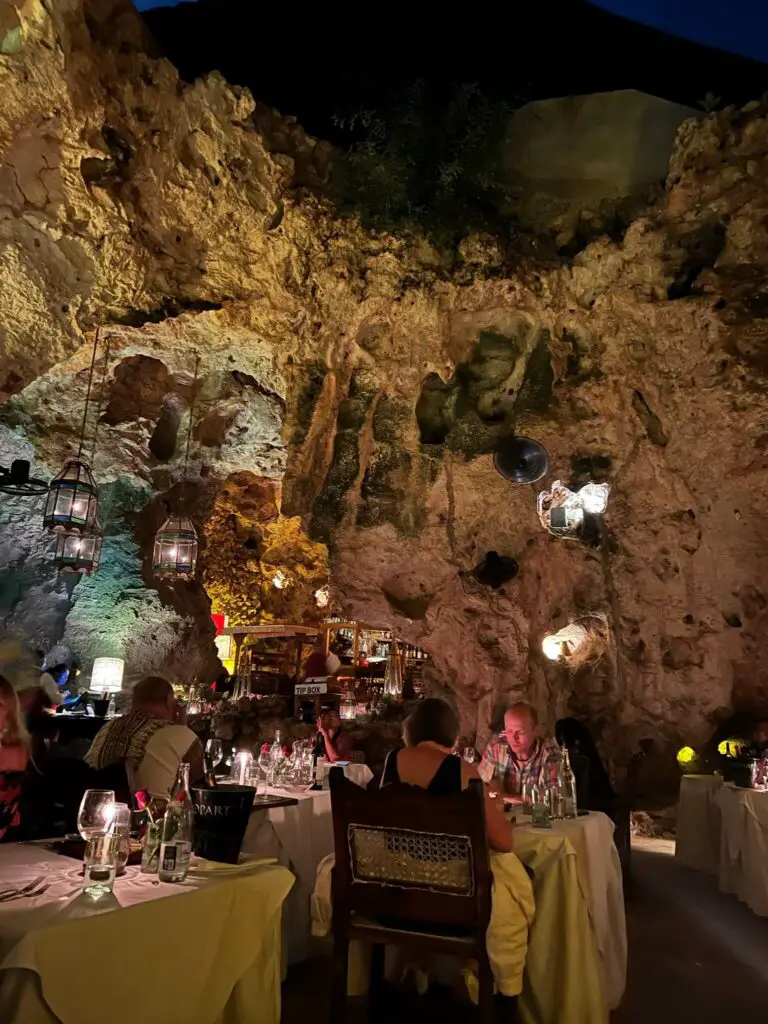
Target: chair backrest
403,853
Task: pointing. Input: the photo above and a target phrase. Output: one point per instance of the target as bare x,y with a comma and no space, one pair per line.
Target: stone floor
695,955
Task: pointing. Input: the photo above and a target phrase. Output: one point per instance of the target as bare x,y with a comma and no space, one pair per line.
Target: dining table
299,836
743,866
576,872
697,842
205,950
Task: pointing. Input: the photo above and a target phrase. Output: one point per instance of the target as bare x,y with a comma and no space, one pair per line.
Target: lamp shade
565,641
72,502
107,675
175,554
79,552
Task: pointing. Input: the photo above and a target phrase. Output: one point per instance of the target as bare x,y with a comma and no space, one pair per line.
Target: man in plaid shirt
518,754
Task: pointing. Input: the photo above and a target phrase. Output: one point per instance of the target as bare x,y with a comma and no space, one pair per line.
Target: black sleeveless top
445,782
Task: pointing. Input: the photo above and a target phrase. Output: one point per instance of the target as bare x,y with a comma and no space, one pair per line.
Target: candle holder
241,770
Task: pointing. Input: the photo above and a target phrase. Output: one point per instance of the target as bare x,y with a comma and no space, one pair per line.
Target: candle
243,762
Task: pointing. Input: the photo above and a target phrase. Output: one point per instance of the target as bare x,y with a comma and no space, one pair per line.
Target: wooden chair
412,871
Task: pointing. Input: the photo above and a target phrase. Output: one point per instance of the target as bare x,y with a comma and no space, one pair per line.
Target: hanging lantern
175,555
72,502
79,552
348,707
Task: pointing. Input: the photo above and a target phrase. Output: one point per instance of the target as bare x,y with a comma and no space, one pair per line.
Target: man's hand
513,801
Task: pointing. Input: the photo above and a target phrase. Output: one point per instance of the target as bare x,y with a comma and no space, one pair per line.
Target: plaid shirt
499,760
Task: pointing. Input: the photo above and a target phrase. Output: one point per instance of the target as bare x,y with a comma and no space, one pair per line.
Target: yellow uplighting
687,760
730,748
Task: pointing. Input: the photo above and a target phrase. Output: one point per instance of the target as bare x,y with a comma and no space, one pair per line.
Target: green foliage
429,163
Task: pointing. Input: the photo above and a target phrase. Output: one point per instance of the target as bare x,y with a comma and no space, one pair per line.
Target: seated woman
426,761
14,756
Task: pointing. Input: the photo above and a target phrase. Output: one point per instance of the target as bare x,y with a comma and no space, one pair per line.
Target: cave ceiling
352,388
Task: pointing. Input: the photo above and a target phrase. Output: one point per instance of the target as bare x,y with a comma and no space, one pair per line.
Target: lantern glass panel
79,552
72,502
175,553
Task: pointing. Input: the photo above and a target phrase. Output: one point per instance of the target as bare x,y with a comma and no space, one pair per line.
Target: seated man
518,754
150,740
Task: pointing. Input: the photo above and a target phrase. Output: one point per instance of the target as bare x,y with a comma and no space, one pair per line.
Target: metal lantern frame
79,552
176,545
72,505
175,551
73,500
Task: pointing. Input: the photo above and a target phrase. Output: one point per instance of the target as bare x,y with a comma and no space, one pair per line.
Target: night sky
740,26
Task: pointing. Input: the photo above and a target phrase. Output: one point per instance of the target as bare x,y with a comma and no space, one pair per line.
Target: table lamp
107,680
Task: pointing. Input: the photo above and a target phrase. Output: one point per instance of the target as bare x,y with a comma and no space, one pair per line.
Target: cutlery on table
32,889
20,892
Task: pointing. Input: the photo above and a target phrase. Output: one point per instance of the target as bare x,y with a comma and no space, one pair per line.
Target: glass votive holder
100,866
242,767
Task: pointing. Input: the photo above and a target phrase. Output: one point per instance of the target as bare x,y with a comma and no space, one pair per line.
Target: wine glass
97,809
215,750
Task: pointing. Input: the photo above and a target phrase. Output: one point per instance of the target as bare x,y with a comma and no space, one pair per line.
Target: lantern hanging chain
88,396
101,401
191,413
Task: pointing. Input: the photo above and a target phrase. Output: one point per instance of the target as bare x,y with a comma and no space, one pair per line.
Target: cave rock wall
353,388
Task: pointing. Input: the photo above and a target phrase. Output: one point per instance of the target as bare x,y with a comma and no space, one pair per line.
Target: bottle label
168,857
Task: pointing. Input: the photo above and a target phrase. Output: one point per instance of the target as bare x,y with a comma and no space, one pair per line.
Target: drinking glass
526,795
97,809
101,853
121,830
469,754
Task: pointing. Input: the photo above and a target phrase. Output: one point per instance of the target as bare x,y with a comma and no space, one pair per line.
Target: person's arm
486,767
496,825
340,750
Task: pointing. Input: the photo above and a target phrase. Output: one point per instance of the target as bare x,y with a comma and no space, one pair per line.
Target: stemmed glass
97,809
94,822
215,750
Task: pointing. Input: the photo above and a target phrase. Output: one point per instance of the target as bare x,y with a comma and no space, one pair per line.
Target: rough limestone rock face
352,389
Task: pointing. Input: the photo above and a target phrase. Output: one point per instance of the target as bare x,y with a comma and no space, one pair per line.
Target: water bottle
567,783
176,833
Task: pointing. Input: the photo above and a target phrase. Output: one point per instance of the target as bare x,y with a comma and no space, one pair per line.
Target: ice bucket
221,818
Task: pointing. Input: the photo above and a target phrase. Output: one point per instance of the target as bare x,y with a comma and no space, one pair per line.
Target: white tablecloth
592,837
204,949
299,837
744,845
698,823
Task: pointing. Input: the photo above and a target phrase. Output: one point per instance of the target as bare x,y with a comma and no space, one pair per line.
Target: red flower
265,748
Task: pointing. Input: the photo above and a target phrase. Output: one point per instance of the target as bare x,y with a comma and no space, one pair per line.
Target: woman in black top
427,761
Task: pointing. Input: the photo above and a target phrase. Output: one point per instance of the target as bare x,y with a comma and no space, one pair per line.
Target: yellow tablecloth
205,952
563,983
600,879
698,823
